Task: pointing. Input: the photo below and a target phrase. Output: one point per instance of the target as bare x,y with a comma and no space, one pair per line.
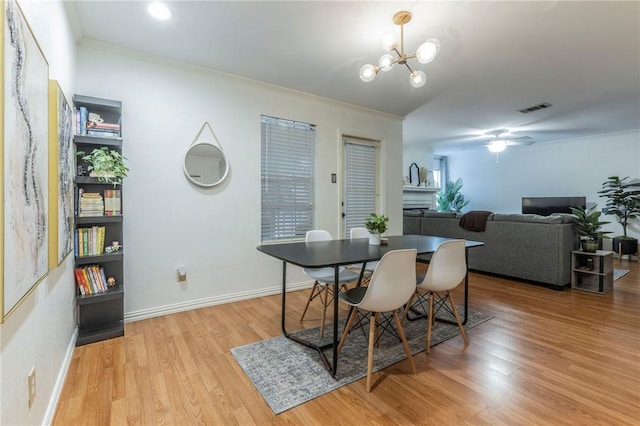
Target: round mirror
205,164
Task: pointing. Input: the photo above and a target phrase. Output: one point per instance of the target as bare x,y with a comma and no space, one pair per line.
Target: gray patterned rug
619,273
288,374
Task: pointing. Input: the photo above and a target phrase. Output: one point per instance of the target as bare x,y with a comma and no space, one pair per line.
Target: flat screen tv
545,206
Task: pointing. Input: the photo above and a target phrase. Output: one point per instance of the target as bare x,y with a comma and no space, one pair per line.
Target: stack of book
112,202
104,130
91,279
89,124
89,241
90,204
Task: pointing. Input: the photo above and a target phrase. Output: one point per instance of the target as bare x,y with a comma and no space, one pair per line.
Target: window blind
288,170
359,183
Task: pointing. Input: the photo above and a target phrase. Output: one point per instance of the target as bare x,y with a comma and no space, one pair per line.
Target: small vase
374,239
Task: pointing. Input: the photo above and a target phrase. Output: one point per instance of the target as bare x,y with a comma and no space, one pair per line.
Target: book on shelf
89,241
81,121
112,202
90,204
91,279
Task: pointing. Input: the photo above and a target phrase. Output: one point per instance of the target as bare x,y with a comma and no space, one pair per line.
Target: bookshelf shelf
116,292
90,220
100,313
108,257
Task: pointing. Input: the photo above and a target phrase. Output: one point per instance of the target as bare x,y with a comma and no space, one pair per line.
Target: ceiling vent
535,108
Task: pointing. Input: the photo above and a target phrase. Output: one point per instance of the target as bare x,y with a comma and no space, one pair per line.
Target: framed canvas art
60,176
24,143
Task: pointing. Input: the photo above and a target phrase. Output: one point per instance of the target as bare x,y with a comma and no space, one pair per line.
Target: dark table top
320,254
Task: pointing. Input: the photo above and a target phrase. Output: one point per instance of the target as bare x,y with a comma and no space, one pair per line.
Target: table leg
466,286
331,367
336,288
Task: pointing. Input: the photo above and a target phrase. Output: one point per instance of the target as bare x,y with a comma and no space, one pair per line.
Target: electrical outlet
182,274
32,386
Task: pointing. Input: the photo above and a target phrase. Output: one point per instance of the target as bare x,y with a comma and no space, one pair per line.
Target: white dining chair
362,232
447,269
392,284
324,279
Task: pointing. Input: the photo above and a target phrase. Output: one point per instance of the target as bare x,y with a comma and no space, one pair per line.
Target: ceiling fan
500,139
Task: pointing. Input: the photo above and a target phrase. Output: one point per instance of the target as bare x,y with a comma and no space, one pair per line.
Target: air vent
535,108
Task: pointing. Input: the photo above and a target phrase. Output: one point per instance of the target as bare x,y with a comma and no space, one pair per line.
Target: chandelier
425,54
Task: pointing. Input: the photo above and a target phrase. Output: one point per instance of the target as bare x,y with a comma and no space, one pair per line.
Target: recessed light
159,11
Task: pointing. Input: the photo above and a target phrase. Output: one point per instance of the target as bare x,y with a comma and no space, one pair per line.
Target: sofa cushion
441,215
530,218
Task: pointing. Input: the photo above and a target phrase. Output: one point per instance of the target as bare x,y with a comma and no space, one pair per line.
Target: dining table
339,253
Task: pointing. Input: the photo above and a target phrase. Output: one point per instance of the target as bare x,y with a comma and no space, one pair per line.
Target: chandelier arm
410,70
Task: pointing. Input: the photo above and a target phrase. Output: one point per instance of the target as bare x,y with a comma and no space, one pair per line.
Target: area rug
288,374
619,273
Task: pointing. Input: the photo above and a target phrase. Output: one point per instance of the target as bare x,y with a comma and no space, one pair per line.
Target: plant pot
589,246
625,246
374,239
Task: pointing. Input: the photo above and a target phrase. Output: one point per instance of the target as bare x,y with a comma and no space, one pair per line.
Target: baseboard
62,374
210,301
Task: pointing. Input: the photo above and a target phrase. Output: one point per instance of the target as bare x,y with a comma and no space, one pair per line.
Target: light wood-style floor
547,357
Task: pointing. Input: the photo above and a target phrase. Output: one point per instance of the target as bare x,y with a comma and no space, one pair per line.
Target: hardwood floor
547,357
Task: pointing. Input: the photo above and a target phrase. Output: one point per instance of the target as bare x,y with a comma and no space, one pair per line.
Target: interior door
360,190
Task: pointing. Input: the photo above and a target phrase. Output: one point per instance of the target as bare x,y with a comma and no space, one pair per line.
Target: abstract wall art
60,176
24,143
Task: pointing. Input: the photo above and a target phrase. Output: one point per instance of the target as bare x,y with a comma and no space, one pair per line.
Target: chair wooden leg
405,344
372,333
429,323
347,328
455,313
408,306
312,295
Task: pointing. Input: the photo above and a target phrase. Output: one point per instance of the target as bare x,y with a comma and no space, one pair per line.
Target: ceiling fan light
389,42
497,146
386,62
428,51
418,79
368,72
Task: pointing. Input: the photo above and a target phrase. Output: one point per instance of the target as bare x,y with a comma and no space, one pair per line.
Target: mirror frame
195,182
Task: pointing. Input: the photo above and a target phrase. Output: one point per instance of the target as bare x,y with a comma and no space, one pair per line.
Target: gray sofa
528,247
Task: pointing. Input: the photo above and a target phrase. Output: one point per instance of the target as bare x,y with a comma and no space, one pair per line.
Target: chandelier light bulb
389,42
428,51
497,146
418,79
159,11
368,72
386,62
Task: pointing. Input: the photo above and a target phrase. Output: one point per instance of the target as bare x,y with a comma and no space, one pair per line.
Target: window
360,182
439,171
288,170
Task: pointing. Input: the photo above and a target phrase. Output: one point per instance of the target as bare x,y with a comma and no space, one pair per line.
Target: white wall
562,168
40,332
214,232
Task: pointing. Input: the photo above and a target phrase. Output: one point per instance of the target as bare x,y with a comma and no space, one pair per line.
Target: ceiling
496,58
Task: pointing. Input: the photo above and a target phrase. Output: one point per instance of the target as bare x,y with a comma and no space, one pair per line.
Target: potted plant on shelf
105,164
588,224
376,225
623,201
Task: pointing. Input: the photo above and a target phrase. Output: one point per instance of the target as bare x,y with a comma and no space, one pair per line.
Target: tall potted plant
376,225
623,201
451,200
588,225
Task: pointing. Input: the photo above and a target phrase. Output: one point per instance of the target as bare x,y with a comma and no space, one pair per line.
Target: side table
592,271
